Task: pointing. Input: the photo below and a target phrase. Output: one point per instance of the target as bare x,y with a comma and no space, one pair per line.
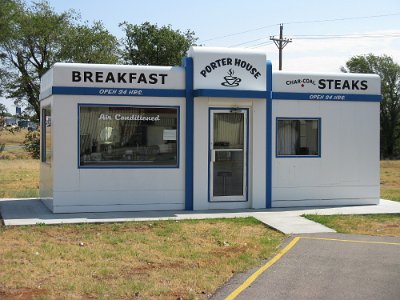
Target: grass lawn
390,179
15,141
166,259
12,138
382,224
19,174
19,178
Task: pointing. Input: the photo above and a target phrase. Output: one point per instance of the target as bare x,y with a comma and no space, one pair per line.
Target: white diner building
220,132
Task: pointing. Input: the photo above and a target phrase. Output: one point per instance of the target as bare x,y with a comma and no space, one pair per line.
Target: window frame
44,157
120,166
319,135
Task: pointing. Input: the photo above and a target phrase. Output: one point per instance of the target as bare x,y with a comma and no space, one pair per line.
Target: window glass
298,137
128,136
46,135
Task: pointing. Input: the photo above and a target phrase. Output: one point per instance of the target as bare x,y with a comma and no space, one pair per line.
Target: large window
46,135
298,137
131,136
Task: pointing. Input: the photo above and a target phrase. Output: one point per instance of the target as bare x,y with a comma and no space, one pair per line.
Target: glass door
228,155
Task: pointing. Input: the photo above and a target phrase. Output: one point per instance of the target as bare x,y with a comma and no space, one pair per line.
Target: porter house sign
235,69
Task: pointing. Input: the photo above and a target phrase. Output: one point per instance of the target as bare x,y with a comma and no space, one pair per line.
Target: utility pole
280,43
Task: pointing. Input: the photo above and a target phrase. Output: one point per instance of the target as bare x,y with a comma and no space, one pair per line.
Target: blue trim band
129,92
268,177
229,93
189,133
325,97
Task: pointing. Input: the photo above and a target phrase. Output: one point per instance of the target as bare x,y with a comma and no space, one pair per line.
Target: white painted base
325,202
114,208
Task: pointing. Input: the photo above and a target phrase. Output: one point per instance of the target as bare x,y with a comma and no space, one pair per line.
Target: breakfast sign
228,70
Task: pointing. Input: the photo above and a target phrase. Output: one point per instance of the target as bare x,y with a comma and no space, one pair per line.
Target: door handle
212,155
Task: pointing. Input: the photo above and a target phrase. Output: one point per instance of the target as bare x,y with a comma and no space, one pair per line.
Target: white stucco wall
46,168
69,188
347,173
110,189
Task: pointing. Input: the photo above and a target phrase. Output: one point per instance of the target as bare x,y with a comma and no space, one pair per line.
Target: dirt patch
22,293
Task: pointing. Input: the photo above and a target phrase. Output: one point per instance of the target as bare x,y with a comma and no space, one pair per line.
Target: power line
260,45
320,37
237,33
329,37
350,36
300,22
248,42
343,19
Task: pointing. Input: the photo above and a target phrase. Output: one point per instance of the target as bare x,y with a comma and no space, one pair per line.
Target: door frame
225,199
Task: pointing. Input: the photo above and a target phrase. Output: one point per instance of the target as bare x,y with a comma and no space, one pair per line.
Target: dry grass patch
13,141
390,179
167,260
12,138
19,178
14,154
382,225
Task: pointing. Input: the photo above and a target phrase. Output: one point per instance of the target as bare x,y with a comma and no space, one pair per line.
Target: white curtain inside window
228,129
288,136
298,137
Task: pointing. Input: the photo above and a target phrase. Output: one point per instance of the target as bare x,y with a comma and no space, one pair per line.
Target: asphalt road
328,269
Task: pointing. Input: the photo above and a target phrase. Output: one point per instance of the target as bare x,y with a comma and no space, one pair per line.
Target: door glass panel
228,149
228,130
228,173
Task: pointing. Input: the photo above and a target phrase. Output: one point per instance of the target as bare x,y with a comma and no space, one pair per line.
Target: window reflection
298,137
128,135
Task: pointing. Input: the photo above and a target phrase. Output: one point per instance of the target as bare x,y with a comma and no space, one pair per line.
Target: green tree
32,143
89,44
33,38
389,71
148,44
3,110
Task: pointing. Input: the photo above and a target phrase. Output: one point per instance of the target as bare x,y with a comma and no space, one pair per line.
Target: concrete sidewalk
289,221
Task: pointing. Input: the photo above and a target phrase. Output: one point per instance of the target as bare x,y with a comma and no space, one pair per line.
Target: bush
32,144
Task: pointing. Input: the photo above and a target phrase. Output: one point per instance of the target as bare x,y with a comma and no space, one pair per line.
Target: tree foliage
3,110
33,38
148,44
32,143
389,71
89,44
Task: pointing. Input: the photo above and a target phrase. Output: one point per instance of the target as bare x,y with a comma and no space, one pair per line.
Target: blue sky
211,20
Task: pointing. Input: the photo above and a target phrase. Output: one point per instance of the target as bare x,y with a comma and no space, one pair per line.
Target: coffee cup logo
230,80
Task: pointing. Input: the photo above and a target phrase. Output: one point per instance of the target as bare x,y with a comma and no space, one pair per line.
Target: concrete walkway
289,221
